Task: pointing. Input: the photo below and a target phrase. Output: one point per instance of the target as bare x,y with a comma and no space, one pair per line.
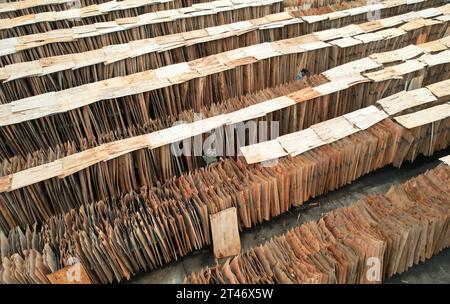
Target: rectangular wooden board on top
225,233
445,159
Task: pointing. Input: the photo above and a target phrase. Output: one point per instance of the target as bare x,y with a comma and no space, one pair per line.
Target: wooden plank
365,117
225,233
445,159
334,129
433,46
424,117
436,59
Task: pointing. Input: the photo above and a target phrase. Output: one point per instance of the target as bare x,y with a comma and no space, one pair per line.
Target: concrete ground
436,270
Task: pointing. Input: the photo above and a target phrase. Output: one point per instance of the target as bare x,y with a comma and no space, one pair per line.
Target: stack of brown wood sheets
149,227
366,242
13,9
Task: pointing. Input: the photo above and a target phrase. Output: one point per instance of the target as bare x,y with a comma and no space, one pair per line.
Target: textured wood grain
225,233
405,100
424,117
74,274
327,131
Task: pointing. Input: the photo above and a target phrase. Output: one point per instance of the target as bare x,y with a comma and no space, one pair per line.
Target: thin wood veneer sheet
426,116
386,234
294,143
265,151
115,119
407,101
137,121
185,19
73,274
141,55
225,233
440,89
119,15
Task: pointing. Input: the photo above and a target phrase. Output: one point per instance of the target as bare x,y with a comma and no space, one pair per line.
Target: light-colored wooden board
300,142
433,46
264,151
137,82
445,159
436,59
225,233
83,12
405,100
440,89
340,83
346,42
334,129
365,117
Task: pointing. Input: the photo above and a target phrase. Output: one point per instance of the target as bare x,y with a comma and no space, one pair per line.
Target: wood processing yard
224,142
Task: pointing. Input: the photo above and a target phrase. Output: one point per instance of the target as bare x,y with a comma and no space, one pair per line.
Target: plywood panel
225,233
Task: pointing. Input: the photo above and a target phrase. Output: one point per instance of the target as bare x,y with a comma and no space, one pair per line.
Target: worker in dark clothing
302,75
